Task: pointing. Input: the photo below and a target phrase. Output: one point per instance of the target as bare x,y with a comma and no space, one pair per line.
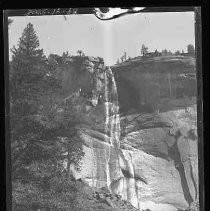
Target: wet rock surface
148,154
155,167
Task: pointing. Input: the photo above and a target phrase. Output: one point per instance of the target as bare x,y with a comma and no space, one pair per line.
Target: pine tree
42,127
28,66
144,49
177,52
26,87
80,53
35,96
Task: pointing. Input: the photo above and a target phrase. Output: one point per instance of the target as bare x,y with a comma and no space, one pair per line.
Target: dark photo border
90,10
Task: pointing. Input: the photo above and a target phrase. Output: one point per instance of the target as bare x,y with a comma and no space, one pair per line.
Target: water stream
112,118
108,169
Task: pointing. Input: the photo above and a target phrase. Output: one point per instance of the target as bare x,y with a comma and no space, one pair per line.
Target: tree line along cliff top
183,63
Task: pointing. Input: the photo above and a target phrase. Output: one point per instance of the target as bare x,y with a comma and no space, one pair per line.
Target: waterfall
112,118
107,164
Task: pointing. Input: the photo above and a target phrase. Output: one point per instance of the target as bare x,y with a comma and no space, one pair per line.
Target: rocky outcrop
152,84
155,168
103,200
147,152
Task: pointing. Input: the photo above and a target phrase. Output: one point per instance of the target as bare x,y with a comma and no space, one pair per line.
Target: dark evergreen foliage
43,130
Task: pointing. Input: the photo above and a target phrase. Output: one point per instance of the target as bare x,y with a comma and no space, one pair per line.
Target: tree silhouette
144,50
80,53
165,52
125,55
35,123
177,52
122,58
27,66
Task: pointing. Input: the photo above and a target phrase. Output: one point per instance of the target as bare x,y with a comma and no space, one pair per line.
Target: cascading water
112,127
107,170
106,166
112,123
112,118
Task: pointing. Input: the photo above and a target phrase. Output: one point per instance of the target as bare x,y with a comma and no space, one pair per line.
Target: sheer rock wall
155,165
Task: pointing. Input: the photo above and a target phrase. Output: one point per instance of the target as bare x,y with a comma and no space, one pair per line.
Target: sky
108,39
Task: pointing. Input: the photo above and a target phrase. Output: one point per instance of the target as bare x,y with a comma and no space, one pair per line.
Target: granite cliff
139,129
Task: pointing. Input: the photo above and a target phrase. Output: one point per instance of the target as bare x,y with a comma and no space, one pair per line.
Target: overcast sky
108,39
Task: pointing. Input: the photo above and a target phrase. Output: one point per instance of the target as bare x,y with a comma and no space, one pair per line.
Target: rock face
154,168
148,156
154,83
